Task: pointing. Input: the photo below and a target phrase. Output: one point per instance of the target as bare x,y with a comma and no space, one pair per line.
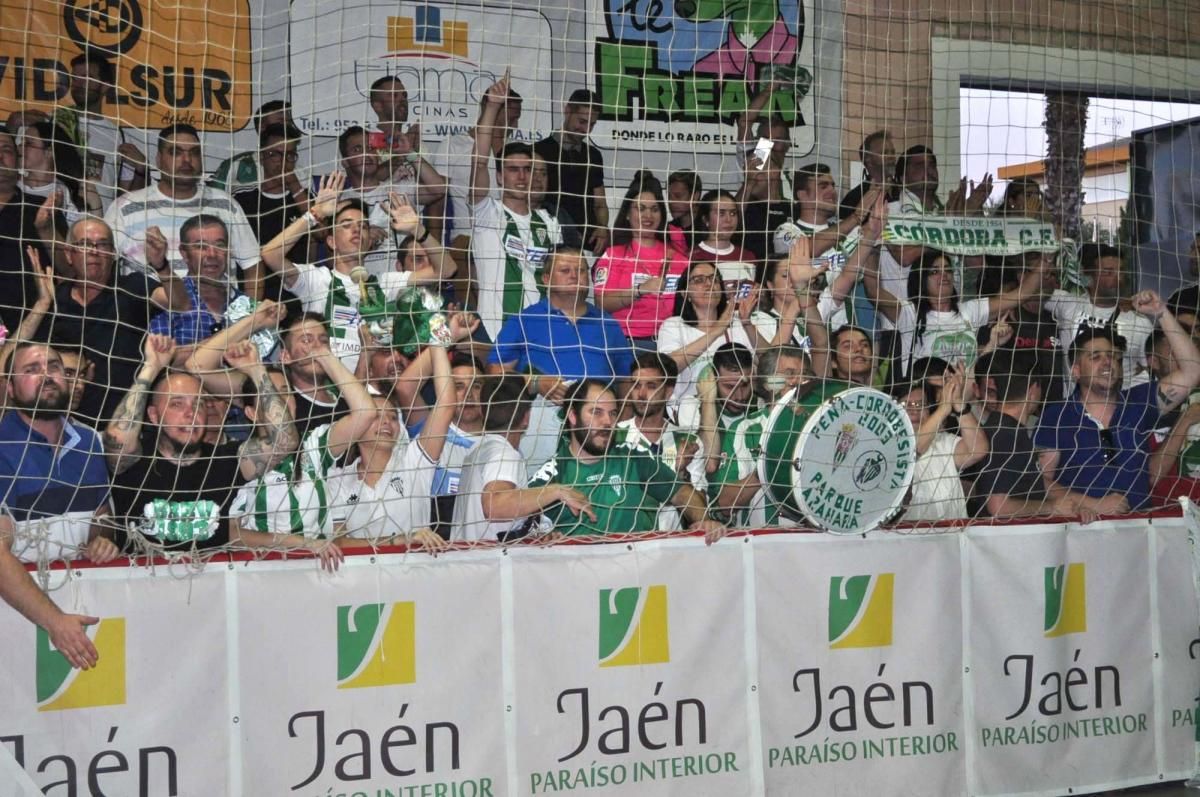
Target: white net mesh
722,251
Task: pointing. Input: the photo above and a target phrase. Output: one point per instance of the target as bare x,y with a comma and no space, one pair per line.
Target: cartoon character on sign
756,35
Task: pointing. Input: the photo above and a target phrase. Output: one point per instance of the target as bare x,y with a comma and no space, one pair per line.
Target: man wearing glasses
204,243
1096,441
178,195
104,314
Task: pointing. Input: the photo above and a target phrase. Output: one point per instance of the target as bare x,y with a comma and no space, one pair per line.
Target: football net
724,257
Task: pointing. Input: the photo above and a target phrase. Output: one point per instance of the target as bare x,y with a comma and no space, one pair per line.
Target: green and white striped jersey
293,497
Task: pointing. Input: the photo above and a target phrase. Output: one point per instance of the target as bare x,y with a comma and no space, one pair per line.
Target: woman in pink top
636,276
724,219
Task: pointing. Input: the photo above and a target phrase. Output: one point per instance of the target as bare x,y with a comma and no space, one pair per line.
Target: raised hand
156,248
802,269
979,194
1149,304
43,275
405,219
243,357
1002,330
158,351
497,93
463,325
268,313
325,203
44,218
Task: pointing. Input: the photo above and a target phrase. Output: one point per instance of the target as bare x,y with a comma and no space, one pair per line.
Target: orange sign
177,60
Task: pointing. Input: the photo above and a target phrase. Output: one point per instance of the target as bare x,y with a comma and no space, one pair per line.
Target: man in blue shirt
53,485
53,478
557,342
1096,441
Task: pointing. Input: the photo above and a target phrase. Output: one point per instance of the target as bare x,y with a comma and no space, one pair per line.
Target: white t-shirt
949,335
489,245
315,287
131,214
492,460
937,492
458,445
676,333
397,504
1072,312
767,324
453,160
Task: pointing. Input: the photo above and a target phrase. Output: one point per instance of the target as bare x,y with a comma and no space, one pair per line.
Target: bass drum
837,457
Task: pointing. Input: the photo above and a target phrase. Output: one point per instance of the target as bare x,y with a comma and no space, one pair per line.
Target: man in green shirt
626,485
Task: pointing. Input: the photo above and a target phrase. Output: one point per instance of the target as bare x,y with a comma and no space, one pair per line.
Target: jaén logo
633,626
61,686
860,611
1066,600
376,645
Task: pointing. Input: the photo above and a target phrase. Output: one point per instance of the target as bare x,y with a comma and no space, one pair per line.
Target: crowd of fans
429,345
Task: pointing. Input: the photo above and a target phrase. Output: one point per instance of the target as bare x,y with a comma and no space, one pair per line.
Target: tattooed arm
275,434
122,435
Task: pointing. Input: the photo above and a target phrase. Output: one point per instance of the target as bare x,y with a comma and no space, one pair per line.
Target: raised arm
433,434
122,436
262,452
1175,386
746,120
350,428
1032,285
171,293
406,221
323,207
44,303
204,362
494,99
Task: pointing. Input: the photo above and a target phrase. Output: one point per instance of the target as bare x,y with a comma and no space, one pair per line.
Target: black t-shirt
110,331
1036,333
268,215
213,476
572,178
1010,467
760,219
18,287
310,415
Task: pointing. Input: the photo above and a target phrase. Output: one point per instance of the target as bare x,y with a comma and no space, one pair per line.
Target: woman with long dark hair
934,322
635,279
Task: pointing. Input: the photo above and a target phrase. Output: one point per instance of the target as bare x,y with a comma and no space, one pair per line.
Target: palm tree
1066,119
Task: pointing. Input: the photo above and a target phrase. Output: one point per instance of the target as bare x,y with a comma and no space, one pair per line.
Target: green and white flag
971,235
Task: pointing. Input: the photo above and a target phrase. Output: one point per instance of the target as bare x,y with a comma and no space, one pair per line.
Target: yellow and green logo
633,626
860,611
376,645
1066,600
61,686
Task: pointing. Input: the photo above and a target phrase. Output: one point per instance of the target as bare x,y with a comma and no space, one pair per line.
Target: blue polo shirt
544,338
39,480
1095,461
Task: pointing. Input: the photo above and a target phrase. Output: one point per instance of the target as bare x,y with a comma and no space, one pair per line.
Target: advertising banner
672,76
631,671
1004,660
859,662
186,61
1060,657
379,677
445,55
152,717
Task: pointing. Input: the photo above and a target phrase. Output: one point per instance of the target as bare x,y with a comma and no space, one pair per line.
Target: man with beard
179,195
204,242
53,480
1095,441
651,427
626,486
168,481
